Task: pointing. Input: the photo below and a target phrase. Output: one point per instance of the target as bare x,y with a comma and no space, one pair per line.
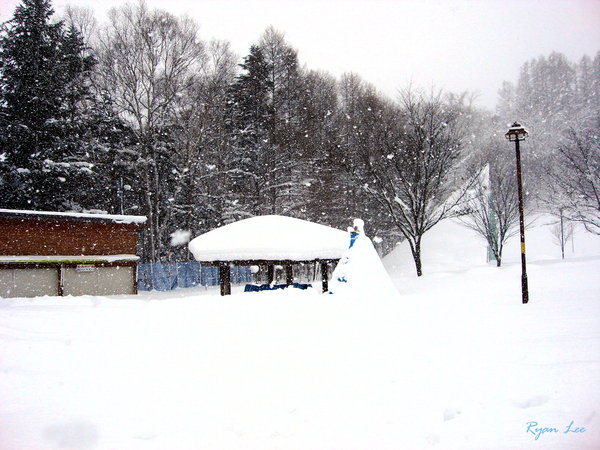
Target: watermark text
537,430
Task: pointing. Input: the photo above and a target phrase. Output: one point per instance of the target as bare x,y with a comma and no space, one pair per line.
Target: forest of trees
140,116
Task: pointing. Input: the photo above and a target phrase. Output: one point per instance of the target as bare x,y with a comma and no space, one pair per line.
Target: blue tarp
169,276
268,287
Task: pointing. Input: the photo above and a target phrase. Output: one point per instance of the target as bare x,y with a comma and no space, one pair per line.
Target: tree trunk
499,255
149,210
416,252
156,203
562,235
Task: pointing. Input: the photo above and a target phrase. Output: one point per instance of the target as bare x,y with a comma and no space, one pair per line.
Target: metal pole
524,287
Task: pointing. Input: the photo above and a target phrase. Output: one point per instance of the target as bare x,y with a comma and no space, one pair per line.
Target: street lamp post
517,133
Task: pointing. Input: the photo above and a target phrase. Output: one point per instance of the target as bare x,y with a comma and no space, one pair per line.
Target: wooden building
50,253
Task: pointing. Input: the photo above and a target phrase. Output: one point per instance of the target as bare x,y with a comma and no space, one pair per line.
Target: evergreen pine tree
43,71
251,116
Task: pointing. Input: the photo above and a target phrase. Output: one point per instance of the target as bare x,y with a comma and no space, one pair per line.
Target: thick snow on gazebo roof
270,238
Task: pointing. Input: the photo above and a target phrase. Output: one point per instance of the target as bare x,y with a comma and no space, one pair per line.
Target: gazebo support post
289,274
225,279
324,276
270,273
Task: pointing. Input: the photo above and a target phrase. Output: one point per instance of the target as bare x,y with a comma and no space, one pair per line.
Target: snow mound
270,238
360,270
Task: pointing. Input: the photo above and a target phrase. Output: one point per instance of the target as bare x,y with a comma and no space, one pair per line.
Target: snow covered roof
79,217
272,238
36,259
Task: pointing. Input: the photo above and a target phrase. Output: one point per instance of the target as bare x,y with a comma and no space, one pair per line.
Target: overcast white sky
454,44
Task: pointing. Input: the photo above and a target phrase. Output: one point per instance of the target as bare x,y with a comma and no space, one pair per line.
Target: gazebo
269,241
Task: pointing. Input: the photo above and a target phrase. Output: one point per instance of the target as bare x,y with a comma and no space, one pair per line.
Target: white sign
85,268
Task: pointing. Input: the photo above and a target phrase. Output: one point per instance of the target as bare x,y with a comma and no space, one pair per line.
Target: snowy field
453,361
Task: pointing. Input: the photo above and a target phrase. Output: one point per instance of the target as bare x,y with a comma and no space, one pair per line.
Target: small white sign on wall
85,268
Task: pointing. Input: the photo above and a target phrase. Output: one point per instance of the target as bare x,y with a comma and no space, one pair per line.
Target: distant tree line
141,116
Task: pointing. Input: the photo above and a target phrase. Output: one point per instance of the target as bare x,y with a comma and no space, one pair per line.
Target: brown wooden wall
47,237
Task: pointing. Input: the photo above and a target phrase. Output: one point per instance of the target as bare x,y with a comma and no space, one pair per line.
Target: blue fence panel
168,276
241,274
144,277
188,274
209,276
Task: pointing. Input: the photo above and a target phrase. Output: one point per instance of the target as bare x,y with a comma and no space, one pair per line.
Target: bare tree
493,210
366,121
562,231
575,175
84,20
146,61
199,186
413,169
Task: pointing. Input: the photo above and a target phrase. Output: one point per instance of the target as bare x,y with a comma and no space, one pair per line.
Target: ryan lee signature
537,431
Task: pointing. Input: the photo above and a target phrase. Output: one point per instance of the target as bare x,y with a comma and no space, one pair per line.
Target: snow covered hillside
453,361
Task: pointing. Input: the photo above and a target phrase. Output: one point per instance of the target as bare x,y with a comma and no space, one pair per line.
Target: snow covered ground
454,361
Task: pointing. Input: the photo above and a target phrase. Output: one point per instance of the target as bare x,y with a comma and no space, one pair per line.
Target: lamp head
516,133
